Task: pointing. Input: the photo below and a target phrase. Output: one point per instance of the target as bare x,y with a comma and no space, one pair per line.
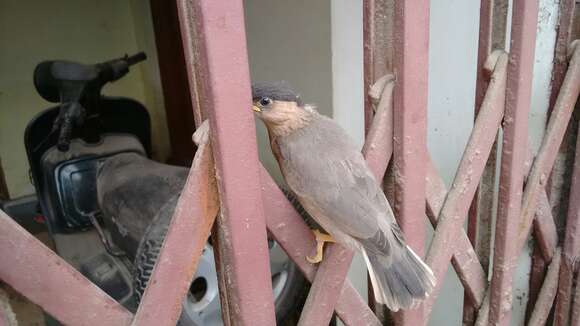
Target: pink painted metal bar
41,276
186,15
565,24
378,43
286,225
545,300
464,260
566,99
466,181
544,225
411,39
187,235
326,287
378,147
556,129
575,320
225,94
378,55
332,272
492,28
514,149
571,246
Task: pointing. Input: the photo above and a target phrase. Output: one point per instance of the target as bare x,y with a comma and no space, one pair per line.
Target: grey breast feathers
322,164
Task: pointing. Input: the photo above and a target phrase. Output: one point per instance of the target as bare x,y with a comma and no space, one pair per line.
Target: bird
329,176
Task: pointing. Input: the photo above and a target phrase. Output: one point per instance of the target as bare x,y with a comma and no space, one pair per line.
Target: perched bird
332,181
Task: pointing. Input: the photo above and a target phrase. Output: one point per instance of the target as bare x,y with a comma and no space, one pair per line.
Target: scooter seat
131,191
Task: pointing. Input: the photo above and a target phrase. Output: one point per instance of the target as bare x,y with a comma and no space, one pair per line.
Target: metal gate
227,177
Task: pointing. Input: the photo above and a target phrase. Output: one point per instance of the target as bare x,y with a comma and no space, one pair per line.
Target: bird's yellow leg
321,238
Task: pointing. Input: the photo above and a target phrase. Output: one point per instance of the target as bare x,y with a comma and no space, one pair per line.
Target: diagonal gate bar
332,271
187,234
40,275
471,167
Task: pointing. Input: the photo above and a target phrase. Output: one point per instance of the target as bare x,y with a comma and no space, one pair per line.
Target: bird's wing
325,169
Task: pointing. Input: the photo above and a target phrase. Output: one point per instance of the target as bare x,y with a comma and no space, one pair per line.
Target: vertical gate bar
545,300
492,34
538,271
186,237
224,84
411,39
576,307
368,58
571,246
286,225
186,15
329,279
565,19
466,180
40,275
514,149
378,55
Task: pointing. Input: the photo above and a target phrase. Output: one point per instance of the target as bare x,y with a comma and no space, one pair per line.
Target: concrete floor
27,313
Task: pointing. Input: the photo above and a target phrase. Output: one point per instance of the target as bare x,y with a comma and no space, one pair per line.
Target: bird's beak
256,109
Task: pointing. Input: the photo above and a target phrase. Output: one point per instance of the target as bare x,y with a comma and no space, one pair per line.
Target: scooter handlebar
136,58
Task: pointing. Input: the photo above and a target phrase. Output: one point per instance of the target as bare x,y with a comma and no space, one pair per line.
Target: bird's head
277,104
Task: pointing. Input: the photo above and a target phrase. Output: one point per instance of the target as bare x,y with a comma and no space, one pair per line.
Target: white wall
290,40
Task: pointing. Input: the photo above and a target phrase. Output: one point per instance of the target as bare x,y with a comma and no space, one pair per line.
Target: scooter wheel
202,306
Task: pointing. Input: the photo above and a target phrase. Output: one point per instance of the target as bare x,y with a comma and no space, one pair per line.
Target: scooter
106,203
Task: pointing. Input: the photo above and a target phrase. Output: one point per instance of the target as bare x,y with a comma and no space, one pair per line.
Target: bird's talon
320,238
314,260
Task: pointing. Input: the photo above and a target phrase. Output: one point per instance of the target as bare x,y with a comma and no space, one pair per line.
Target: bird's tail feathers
401,282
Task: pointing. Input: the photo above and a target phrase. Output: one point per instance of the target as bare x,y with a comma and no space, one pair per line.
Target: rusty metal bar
378,45
464,260
552,139
571,246
326,287
224,88
456,204
514,149
332,271
186,15
492,35
544,225
286,225
556,129
40,275
547,294
378,54
576,307
378,147
561,51
188,232
410,65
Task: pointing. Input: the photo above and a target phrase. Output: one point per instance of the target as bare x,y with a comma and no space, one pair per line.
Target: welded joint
201,134
491,62
377,89
573,48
